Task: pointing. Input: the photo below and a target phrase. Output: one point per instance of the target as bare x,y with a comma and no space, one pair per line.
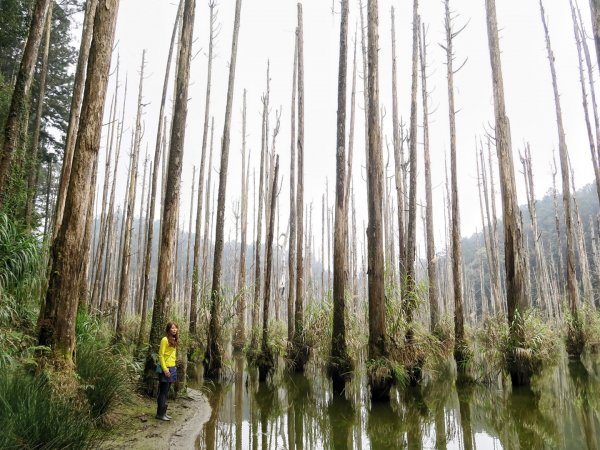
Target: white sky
267,33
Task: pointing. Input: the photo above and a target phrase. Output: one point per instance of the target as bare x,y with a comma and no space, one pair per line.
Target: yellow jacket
167,355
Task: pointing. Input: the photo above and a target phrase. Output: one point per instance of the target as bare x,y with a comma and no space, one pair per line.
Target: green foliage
21,262
385,370
501,352
32,417
104,376
318,320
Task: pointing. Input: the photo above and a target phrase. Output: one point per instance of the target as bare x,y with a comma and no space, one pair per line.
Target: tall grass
105,371
32,418
21,262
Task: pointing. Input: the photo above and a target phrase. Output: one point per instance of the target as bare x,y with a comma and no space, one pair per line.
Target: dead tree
398,163
196,268
292,221
431,257
266,359
131,195
166,253
517,297
34,165
75,111
21,91
340,364
239,339
408,292
575,336
380,385
299,353
257,246
460,346
541,273
579,36
160,133
58,312
213,362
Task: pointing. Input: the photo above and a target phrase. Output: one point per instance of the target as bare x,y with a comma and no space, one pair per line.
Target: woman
167,357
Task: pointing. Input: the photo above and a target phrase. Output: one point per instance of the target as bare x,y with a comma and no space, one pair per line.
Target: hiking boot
168,416
165,418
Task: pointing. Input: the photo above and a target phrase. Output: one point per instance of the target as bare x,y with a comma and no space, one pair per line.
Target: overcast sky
267,33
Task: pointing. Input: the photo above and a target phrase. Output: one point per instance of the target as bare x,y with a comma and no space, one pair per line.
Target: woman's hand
167,373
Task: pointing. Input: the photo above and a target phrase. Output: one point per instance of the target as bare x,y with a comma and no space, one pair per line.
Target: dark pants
163,395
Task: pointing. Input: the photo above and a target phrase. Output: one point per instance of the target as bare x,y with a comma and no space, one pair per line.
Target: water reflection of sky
561,411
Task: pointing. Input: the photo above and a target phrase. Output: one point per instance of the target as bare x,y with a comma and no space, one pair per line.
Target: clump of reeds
537,347
32,415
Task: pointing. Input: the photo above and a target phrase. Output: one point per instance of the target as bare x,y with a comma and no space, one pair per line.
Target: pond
294,412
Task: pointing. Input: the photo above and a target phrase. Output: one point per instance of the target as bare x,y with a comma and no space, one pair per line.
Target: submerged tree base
381,376
340,371
298,356
575,341
265,361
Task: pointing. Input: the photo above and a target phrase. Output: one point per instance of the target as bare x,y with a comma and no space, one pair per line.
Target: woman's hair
173,339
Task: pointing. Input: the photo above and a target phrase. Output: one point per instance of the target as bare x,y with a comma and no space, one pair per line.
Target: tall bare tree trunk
213,357
75,111
299,348
575,337
460,350
340,364
292,221
239,339
131,195
266,360
21,91
578,38
257,246
514,259
34,162
380,386
196,268
541,273
431,258
408,294
398,160
57,316
166,253
595,10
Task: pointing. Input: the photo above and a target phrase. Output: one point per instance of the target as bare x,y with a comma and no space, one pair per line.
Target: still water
297,412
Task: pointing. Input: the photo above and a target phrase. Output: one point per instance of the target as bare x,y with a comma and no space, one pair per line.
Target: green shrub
500,352
105,378
31,417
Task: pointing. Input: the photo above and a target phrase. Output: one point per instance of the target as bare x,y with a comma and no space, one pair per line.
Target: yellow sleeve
161,353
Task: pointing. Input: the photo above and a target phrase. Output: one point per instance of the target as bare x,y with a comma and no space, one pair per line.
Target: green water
560,411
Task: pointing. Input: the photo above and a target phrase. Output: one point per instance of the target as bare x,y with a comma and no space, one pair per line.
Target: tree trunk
131,195
292,221
21,91
166,253
408,293
514,260
460,349
339,363
196,268
431,257
239,339
57,321
380,386
34,162
584,102
213,358
595,11
257,246
575,336
300,350
266,361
